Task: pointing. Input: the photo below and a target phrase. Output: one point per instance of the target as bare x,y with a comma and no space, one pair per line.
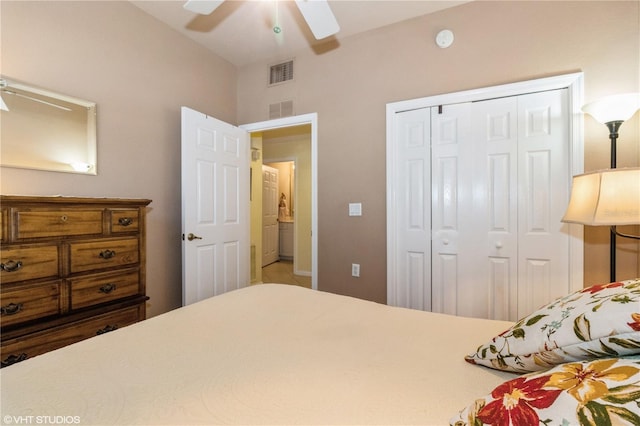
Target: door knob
192,237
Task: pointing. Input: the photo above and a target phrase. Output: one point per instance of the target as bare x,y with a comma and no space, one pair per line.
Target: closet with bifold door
480,191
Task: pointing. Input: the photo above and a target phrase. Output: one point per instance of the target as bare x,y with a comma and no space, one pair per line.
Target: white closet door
451,206
413,222
494,208
543,195
500,174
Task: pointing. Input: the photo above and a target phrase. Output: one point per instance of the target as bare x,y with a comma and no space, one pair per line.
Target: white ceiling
242,31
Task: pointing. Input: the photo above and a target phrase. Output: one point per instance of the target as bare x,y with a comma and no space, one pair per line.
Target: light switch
355,209
355,270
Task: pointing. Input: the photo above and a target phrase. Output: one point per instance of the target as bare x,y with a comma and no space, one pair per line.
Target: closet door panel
447,294
413,223
452,209
535,286
419,295
501,288
543,194
494,185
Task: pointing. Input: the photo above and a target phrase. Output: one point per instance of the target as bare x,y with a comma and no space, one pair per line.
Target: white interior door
270,230
215,207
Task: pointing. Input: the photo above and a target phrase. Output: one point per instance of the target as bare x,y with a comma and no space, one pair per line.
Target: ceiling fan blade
203,7
319,17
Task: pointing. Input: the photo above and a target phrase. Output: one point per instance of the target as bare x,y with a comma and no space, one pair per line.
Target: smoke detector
444,39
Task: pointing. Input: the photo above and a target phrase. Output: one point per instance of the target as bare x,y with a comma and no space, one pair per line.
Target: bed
265,354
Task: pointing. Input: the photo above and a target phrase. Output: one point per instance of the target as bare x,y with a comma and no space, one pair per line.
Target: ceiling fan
316,13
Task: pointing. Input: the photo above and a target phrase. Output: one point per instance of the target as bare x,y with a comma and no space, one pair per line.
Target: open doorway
290,150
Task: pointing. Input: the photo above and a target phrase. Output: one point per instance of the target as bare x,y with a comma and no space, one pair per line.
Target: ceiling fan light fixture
203,7
319,17
317,14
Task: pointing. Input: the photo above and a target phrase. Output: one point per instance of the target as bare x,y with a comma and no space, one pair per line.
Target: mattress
266,354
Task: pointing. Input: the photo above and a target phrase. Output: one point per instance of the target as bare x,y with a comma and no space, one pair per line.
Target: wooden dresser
70,268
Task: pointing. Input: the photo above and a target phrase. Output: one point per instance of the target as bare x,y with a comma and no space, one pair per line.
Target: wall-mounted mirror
43,130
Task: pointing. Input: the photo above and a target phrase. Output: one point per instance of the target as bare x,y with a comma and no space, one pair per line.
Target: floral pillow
601,392
596,322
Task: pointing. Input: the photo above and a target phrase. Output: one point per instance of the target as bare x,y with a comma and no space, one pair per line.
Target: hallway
282,272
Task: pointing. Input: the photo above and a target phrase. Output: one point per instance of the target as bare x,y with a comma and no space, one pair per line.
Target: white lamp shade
3,106
606,197
614,108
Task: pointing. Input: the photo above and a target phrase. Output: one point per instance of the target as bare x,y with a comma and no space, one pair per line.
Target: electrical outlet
355,209
355,269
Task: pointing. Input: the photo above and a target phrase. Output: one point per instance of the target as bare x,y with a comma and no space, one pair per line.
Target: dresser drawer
93,290
24,347
93,255
4,235
42,223
23,303
125,220
27,263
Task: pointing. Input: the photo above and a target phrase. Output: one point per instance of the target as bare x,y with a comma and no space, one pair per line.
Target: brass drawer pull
106,329
125,221
12,359
107,288
107,254
11,266
11,309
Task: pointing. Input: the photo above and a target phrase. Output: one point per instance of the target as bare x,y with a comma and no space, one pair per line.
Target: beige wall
495,43
139,72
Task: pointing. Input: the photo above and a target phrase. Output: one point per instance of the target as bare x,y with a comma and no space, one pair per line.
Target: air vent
281,109
281,73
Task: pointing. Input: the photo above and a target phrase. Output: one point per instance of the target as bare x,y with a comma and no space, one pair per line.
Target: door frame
311,119
574,82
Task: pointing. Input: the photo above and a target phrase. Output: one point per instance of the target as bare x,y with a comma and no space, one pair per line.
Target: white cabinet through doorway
286,240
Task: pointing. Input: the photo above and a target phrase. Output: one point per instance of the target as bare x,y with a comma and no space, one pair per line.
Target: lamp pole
613,127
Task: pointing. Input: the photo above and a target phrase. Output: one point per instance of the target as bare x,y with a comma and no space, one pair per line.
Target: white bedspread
266,354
